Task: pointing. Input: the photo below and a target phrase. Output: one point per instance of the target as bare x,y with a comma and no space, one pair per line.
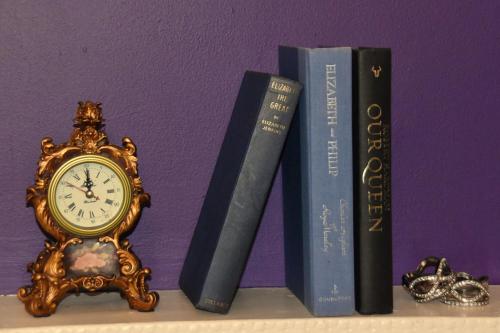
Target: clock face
89,195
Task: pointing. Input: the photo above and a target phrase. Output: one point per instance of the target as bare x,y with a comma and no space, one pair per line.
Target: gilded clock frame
82,159
50,282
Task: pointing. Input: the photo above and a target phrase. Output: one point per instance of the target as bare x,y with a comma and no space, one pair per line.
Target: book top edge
318,49
339,48
378,49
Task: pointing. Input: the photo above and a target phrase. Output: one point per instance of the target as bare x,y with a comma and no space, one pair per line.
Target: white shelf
254,310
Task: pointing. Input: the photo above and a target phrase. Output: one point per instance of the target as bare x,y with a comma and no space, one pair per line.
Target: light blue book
318,181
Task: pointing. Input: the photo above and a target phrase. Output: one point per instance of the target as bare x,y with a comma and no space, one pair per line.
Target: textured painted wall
168,72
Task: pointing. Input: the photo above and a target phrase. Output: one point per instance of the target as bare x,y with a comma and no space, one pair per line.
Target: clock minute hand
74,186
82,190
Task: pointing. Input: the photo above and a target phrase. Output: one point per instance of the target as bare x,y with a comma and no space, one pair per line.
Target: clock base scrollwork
50,284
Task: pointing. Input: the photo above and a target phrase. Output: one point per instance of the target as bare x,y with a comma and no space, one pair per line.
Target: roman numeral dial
89,195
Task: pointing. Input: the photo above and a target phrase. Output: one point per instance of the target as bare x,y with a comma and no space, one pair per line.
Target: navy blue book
238,190
318,181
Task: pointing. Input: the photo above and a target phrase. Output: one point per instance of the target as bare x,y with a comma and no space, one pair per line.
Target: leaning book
317,181
238,190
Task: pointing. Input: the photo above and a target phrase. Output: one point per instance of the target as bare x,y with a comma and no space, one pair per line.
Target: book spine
330,176
249,195
325,130
373,181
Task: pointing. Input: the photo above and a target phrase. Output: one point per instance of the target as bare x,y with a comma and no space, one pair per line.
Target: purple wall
167,74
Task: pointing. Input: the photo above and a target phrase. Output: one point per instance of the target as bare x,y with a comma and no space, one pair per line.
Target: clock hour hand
88,182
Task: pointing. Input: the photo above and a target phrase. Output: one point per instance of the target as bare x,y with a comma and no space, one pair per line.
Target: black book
372,183
238,190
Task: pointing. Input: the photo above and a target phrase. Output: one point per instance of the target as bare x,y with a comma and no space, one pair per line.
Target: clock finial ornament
88,113
87,195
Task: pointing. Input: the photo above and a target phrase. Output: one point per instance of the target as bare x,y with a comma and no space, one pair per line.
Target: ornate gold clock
87,196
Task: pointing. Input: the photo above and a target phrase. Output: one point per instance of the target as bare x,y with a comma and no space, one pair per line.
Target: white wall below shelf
254,310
